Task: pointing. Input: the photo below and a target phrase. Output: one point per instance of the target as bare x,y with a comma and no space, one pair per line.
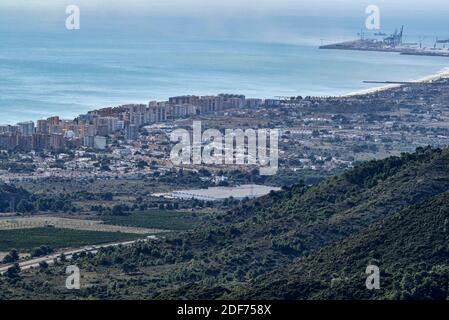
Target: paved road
34,263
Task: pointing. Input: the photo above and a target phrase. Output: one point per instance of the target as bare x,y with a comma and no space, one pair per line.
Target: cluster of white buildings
94,128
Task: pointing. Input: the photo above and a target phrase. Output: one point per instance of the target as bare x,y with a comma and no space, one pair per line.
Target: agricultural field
27,232
167,220
74,224
27,239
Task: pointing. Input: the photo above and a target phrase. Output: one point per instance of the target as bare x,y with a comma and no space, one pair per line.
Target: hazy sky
198,6
256,19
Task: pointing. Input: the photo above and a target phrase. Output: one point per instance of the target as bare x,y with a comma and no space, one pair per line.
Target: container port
392,43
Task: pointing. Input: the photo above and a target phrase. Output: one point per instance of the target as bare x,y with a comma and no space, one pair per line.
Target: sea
67,73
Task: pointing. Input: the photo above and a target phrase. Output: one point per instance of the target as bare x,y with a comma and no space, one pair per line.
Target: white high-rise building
26,128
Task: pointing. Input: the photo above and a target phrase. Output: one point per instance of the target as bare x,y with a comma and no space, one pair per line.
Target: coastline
444,73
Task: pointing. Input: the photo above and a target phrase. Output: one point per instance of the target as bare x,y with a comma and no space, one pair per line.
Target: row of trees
13,255
44,204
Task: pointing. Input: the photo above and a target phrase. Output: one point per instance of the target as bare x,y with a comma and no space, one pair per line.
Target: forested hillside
411,248
296,223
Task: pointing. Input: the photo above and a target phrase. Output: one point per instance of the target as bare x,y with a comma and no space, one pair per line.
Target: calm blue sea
44,74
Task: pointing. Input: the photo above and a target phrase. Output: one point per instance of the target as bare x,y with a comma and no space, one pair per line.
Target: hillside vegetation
302,243
411,248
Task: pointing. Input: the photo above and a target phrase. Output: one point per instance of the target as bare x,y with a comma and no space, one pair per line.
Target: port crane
396,38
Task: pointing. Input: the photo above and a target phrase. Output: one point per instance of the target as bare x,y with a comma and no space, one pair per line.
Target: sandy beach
444,73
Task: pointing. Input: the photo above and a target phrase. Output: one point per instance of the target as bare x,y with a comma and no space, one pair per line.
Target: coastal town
324,134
